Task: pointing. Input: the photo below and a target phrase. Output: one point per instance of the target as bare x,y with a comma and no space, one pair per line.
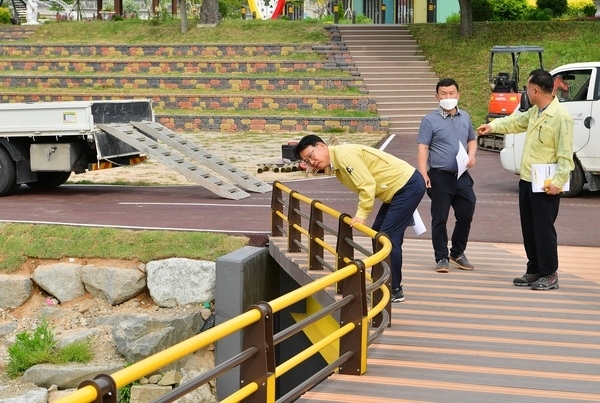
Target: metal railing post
376,273
315,231
260,369
344,250
294,218
276,205
355,312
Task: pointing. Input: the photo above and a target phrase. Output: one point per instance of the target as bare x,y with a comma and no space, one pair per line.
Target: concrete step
389,38
420,104
400,57
373,71
402,94
394,70
398,83
385,47
398,61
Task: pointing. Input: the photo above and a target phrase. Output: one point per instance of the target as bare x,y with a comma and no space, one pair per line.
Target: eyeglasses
309,156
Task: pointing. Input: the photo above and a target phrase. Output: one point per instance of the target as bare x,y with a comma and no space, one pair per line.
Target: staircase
394,72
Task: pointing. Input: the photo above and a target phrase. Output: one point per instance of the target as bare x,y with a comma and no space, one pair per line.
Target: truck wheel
8,174
577,181
49,180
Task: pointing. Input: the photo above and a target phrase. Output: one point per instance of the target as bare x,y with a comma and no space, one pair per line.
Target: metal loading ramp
174,157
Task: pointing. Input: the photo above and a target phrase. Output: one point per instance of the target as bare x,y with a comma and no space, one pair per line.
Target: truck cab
577,87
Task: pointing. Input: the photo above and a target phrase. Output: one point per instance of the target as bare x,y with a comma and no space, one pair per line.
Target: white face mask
448,103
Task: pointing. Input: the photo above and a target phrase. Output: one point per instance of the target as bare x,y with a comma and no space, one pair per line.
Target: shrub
538,15
4,15
482,10
130,7
453,18
590,10
581,9
558,7
510,10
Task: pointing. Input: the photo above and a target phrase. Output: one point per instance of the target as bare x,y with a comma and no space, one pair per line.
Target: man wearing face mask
442,134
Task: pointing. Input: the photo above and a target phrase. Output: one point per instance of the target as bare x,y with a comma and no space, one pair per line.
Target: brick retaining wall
272,124
155,50
195,103
161,66
181,82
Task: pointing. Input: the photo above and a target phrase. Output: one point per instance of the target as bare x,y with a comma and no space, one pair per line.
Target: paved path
193,208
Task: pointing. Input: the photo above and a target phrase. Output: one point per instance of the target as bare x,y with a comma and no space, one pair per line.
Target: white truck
577,86
41,144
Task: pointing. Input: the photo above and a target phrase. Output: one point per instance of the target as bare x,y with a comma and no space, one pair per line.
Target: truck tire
49,180
8,174
577,180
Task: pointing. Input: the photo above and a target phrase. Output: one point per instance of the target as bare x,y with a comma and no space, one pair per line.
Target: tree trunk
466,18
209,12
183,16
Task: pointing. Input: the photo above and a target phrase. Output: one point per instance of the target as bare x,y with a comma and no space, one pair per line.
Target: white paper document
462,159
419,226
541,173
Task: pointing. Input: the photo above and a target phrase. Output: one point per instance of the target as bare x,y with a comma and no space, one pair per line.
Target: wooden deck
473,336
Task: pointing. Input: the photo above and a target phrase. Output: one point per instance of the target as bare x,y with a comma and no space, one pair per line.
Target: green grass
144,32
467,59
19,242
39,346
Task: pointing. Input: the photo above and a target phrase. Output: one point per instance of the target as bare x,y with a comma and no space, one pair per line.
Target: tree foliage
510,10
558,7
482,10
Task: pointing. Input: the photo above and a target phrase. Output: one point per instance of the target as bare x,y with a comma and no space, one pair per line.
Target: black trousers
449,191
393,218
538,213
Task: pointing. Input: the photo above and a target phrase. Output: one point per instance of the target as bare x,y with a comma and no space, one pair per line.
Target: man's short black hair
308,140
542,79
446,82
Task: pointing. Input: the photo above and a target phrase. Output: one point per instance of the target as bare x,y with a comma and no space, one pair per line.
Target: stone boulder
179,281
116,285
61,280
14,290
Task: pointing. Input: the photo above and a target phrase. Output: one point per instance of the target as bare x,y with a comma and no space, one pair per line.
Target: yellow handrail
254,316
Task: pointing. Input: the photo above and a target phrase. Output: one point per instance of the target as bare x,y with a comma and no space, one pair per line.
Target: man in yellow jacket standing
549,140
372,174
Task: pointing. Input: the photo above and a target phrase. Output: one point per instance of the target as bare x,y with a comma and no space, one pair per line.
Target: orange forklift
506,91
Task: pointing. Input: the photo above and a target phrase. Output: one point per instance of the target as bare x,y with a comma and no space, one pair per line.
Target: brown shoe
462,262
442,266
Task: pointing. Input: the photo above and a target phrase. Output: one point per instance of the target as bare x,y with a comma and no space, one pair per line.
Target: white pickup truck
577,86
